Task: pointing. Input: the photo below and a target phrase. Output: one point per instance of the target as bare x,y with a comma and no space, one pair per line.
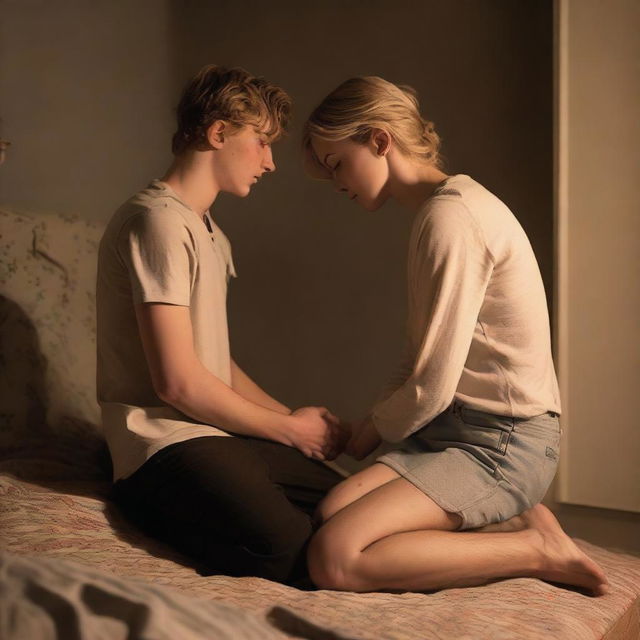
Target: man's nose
268,163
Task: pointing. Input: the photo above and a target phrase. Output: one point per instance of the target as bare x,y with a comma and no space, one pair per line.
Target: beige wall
86,96
86,92
598,295
318,310
317,314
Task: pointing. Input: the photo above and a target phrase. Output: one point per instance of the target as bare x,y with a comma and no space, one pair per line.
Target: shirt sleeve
160,256
449,268
400,374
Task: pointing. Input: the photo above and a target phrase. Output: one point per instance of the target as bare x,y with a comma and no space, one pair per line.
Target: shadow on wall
30,447
22,376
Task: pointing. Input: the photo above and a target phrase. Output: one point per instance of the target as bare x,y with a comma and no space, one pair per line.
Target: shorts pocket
486,437
534,456
486,440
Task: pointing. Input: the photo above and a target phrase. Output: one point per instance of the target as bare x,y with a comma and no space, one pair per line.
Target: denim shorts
485,467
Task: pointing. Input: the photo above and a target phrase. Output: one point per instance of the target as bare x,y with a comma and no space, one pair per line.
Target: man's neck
191,178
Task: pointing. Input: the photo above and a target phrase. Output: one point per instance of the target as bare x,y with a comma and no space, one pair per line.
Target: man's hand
364,439
317,433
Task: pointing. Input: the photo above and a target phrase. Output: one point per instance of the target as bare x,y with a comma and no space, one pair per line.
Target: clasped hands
321,435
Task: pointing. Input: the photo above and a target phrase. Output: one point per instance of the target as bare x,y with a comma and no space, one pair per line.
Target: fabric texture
484,467
478,324
45,598
54,506
156,249
239,506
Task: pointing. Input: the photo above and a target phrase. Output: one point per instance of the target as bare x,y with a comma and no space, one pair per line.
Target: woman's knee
332,562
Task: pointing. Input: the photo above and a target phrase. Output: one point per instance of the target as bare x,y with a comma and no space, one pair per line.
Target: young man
203,458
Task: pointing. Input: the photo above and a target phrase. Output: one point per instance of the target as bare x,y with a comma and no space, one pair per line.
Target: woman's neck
411,183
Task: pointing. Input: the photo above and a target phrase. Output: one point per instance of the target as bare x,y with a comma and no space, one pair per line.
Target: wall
317,313
86,97
598,136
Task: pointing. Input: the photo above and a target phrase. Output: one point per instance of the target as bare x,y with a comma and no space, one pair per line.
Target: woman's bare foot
561,560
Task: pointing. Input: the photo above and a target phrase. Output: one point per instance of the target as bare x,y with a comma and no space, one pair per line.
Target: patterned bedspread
55,507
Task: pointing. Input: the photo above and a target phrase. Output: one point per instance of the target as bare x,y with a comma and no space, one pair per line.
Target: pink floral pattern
55,507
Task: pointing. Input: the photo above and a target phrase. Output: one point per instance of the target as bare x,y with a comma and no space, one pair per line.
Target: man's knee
277,550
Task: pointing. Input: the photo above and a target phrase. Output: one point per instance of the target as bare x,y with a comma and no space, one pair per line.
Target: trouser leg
240,506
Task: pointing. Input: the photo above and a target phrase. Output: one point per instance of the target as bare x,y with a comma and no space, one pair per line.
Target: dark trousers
239,506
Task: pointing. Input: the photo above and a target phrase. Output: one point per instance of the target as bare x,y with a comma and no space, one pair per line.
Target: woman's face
360,171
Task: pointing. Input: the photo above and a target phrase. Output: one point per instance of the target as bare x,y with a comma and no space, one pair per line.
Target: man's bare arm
248,389
182,381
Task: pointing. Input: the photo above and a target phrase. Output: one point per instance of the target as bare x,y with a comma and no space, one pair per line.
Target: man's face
355,169
241,161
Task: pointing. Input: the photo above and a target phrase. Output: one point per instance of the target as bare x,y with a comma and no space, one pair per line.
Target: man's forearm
207,399
248,389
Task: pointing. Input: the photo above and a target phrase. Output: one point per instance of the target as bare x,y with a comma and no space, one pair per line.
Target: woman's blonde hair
359,105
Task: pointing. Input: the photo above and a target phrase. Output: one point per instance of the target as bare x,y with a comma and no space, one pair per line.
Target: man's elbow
172,391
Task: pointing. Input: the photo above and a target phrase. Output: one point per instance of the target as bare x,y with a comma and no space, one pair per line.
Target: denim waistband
456,407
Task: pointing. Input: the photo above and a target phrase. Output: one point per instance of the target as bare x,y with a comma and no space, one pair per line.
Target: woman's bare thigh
394,507
353,488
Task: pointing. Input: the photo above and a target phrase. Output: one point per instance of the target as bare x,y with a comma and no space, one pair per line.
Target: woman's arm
400,374
364,439
449,268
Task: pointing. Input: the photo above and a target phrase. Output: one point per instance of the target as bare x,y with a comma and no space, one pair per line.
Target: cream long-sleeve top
478,323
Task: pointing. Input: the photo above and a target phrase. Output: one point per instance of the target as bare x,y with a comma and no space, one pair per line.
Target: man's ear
216,133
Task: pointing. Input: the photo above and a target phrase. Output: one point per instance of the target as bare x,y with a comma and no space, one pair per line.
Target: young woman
475,405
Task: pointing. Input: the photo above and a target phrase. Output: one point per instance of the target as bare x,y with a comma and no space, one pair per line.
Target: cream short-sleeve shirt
156,249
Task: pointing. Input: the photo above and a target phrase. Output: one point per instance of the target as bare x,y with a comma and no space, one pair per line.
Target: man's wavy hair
232,95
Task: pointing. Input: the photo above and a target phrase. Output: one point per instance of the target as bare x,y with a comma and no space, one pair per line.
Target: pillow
47,321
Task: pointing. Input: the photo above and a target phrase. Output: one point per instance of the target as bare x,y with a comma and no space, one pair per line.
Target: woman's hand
364,440
317,433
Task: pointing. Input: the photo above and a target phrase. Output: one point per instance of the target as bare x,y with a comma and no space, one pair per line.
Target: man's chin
240,192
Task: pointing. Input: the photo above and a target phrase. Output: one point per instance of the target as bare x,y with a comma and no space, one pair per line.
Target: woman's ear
381,142
215,134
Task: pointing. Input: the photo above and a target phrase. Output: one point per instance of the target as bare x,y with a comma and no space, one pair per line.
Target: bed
72,567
